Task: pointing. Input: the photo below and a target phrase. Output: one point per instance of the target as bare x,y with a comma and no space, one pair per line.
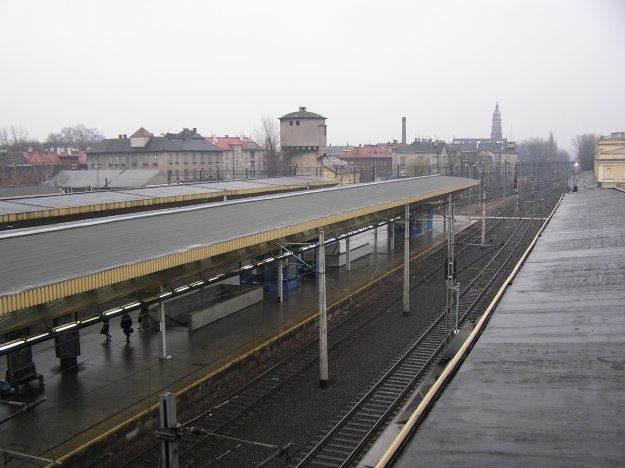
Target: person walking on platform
144,319
105,329
126,324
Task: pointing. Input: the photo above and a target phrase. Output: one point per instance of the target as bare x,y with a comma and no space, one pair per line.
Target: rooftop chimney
403,130
302,109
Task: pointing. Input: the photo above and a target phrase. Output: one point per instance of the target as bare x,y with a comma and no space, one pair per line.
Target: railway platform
540,381
117,380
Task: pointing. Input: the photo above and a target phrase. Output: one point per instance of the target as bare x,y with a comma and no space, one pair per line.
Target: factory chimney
403,130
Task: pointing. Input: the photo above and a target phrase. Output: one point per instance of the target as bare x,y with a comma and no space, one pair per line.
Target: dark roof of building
186,140
302,113
478,144
422,146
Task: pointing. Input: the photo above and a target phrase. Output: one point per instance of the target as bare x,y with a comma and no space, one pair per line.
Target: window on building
117,160
155,158
290,123
237,149
123,160
193,156
297,123
134,159
111,161
74,166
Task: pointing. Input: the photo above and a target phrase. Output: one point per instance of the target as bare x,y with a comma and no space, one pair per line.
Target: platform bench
23,376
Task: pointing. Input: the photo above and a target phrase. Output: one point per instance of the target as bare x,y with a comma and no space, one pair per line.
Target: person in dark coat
105,329
126,324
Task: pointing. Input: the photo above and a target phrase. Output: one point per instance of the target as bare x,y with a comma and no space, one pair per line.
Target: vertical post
162,329
392,234
348,263
483,217
169,423
457,290
407,260
451,262
323,325
280,281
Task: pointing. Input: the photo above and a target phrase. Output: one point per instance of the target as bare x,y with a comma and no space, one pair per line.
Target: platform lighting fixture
113,311
88,320
37,337
12,344
247,267
64,327
132,305
165,294
181,288
214,278
197,283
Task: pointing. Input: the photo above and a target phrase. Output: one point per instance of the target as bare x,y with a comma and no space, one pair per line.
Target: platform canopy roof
52,263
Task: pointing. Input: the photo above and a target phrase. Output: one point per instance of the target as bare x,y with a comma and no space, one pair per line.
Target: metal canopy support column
168,431
407,260
450,275
280,281
391,233
348,263
162,329
483,217
323,324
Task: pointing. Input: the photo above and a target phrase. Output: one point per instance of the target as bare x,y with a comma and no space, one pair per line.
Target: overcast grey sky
220,66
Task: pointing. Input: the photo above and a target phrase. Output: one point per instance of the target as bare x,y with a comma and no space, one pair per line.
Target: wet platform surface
545,383
116,381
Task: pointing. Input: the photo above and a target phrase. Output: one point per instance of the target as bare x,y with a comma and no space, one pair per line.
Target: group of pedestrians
125,324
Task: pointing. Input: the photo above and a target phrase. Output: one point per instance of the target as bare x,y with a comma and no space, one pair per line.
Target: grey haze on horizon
220,66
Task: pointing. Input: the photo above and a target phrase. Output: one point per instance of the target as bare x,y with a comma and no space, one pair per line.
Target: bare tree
268,135
540,150
15,138
79,137
585,148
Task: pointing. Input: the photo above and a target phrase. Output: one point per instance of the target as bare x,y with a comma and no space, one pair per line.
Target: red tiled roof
367,152
225,143
41,158
142,132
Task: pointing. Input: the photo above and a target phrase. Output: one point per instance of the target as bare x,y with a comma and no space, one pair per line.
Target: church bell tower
495,133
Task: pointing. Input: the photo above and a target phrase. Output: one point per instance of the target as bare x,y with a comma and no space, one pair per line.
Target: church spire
495,132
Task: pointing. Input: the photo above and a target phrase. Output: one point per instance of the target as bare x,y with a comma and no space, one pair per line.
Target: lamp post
97,171
575,166
505,176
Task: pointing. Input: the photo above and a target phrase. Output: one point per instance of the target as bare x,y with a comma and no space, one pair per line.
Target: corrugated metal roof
43,256
92,199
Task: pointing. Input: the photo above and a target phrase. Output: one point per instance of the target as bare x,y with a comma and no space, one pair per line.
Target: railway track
345,440
342,444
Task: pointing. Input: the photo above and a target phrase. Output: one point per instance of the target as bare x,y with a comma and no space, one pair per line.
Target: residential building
419,158
242,157
179,157
609,163
19,168
376,159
